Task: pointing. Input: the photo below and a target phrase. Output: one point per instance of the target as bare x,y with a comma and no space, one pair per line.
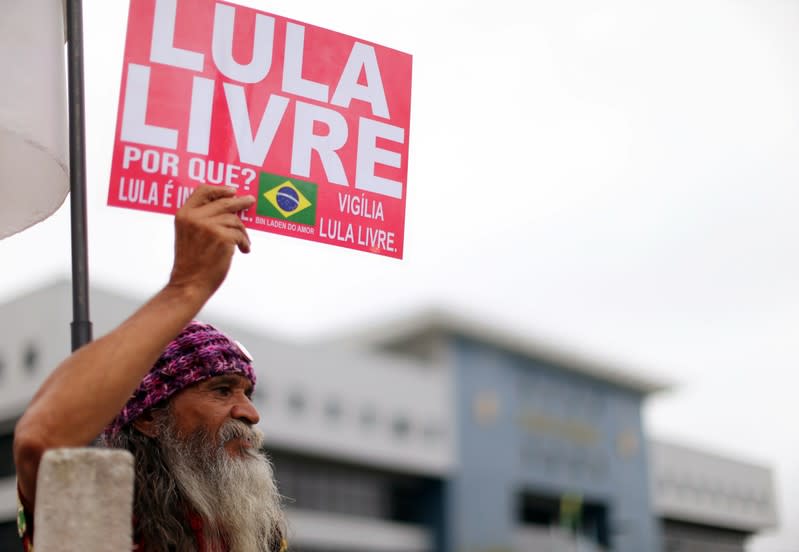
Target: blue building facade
540,446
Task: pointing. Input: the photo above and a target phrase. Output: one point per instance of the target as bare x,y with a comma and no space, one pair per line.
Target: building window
368,417
333,410
6,455
401,426
260,393
30,359
313,491
432,433
322,486
297,402
598,468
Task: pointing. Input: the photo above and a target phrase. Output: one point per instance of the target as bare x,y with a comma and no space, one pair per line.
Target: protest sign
311,122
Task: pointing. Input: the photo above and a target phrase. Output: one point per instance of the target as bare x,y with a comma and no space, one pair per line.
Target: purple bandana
198,353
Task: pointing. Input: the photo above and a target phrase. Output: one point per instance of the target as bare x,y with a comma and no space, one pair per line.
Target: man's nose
245,411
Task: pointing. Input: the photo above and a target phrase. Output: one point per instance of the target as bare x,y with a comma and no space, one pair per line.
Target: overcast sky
618,178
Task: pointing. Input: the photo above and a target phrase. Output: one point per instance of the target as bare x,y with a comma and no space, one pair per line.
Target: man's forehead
208,385
232,379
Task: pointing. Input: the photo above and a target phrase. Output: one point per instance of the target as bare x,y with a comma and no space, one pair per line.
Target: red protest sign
312,122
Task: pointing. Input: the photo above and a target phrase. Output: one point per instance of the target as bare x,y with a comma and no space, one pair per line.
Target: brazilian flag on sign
286,199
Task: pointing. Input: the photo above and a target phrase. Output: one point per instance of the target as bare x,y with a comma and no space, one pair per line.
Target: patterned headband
198,353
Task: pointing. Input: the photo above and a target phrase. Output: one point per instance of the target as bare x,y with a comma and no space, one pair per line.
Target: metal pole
81,324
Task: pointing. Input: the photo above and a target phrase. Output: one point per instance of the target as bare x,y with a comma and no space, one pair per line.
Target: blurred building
434,433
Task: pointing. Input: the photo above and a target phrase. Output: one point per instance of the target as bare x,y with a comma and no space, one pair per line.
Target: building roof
436,322
697,486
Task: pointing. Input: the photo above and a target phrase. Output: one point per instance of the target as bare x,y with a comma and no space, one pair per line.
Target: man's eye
224,390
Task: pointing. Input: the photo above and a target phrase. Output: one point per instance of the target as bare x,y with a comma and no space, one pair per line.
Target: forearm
92,385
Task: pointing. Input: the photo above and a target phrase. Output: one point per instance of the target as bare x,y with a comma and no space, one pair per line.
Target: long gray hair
237,499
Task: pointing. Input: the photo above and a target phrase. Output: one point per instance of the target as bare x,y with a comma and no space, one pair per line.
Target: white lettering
197,169
369,155
152,197
360,206
326,146
134,113
222,46
293,82
150,161
167,202
202,102
376,238
162,47
183,194
169,164
362,56
133,191
253,147
130,154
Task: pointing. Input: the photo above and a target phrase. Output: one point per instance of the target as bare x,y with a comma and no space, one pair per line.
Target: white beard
236,497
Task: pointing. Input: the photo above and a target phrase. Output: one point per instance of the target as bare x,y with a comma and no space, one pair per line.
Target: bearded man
176,394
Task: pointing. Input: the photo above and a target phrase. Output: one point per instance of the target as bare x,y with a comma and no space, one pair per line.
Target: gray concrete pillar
84,501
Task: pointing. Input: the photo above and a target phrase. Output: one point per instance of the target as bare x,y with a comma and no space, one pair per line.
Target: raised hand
207,229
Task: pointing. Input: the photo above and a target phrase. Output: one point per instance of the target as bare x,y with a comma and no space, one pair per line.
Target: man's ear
146,424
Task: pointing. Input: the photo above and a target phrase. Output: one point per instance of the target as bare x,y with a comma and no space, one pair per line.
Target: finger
205,193
246,246
227,205
233,222
229,220
240,238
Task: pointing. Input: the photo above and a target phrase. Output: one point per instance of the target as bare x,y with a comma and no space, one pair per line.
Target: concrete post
84,501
